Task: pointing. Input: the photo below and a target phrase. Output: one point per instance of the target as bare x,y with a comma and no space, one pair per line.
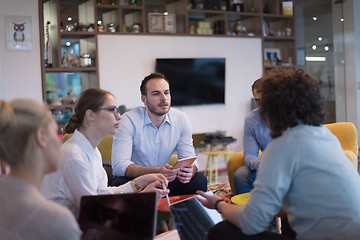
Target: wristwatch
136,185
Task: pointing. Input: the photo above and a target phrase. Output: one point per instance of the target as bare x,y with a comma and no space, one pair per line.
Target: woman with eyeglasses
81,172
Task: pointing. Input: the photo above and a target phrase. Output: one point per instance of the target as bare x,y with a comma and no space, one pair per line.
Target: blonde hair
19,119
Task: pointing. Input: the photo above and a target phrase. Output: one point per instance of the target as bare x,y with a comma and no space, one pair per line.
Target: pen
167,196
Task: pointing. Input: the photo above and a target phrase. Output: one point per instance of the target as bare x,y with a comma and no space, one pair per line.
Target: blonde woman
30,146
81,172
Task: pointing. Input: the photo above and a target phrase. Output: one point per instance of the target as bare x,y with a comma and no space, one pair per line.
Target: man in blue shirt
256,137
147,137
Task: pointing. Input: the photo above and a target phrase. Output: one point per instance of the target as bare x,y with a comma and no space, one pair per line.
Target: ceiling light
314,18
313,47
341,19
315,59
326,48
320,39
68,44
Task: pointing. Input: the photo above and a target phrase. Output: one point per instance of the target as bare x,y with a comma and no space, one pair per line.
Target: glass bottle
238,6
64,60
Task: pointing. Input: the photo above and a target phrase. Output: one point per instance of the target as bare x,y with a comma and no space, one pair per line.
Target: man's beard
153,109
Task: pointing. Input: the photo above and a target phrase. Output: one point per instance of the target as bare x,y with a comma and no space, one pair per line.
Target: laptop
118,216
193,220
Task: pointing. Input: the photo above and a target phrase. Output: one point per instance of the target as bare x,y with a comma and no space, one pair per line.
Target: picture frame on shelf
161,23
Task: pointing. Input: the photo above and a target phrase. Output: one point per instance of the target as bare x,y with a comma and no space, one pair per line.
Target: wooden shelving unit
276,30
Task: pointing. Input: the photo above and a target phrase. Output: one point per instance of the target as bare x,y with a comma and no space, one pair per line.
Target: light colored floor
222,177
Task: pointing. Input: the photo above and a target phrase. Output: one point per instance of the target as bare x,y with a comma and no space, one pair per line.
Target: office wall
125,60
20,73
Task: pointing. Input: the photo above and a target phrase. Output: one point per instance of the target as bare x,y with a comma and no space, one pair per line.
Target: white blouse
81,173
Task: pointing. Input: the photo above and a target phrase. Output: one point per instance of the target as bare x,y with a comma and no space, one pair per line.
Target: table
212,156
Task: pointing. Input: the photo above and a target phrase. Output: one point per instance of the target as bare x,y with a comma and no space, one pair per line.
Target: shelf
223,23
107,6
132,8
57,107
77,34
75,69
274,38
275,17
205,11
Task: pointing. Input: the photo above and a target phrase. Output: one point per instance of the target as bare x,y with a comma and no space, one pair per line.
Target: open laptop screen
118,216
193,220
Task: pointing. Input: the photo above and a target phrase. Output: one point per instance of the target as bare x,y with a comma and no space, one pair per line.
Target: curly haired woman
303,170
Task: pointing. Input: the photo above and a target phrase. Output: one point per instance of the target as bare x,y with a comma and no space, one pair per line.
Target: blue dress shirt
256,137
139,141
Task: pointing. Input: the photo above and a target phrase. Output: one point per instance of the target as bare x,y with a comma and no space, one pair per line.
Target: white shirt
81,173
139,141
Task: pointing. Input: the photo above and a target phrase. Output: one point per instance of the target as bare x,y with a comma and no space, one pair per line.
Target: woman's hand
153,183
157,187
209,200
228,211
144,180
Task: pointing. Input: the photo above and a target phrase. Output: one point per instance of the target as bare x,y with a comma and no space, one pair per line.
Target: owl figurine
19,35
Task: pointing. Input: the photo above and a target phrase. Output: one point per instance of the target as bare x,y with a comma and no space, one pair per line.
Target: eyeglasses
114,110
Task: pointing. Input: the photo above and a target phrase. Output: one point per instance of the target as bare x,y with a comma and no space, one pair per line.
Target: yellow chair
173,160
348,137
345,131
235,161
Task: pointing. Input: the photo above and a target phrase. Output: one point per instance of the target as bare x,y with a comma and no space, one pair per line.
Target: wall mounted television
194,81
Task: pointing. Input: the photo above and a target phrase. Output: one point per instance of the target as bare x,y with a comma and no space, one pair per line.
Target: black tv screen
194,81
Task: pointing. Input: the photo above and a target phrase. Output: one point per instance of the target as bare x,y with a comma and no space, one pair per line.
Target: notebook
118,216
192,219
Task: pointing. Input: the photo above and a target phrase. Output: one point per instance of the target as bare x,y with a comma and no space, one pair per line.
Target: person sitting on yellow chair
256,137
303,170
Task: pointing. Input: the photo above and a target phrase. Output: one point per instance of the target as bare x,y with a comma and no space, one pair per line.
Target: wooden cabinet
75,25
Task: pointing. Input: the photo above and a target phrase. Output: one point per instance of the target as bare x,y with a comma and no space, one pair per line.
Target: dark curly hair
290,96
149,77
